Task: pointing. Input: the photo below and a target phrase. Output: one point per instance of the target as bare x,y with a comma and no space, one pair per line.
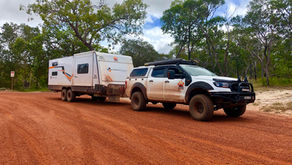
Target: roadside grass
34,90
271,88
255,103
3,89
277,107
275,83
289,104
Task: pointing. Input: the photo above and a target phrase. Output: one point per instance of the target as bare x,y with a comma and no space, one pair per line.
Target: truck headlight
221,84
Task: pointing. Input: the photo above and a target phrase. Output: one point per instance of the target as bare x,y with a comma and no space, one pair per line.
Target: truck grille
241,87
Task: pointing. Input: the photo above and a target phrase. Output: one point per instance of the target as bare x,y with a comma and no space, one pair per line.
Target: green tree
264,29
22,51
187,20
140,51
90,23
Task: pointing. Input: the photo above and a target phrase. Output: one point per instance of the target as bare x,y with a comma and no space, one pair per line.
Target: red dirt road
38,128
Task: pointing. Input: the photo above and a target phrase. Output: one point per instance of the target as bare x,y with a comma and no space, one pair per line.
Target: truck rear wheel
64,94
138,101
201,107
169,106
235,111
70,95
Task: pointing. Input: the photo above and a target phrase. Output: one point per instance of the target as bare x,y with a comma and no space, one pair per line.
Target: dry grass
256,103
265,89
277,107
2,89
289,105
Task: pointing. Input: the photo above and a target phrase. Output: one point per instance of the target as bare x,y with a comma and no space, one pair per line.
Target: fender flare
141,87
200,86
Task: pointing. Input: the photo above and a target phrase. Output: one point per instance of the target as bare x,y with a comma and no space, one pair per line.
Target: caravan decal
67,75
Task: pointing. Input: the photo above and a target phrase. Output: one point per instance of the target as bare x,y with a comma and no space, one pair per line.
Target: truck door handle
166,81
150,80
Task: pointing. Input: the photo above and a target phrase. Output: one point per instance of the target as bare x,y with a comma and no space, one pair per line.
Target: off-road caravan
99,75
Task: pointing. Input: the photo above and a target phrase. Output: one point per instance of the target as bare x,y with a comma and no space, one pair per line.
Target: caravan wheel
64,94
70,95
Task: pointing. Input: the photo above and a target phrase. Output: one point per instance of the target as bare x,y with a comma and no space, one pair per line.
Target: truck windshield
197,71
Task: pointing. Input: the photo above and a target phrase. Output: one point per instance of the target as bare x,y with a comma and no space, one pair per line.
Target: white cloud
234,9
149,19
160,41
155,7
9,12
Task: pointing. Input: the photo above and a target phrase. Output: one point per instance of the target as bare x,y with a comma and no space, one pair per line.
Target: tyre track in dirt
17,133
38,128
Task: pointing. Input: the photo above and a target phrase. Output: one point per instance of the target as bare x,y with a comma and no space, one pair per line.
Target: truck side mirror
171,74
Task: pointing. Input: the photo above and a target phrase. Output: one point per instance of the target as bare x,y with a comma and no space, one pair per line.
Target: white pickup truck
179,81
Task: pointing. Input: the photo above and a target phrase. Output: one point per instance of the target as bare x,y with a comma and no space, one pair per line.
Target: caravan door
83,63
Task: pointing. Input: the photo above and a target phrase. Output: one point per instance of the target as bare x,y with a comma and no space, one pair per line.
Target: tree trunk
268,54
262,69
189,43
189,51
180,49
255,70
226,54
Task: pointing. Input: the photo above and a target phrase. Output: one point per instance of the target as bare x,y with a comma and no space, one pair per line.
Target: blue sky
162,42
154,23
231,7
9,12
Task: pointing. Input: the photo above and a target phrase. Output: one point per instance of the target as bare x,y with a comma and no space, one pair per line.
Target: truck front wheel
70,95
64,94
138,101
235,111
201,107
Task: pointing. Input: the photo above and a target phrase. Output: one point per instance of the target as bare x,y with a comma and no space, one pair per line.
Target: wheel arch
66,87
197,88
139,87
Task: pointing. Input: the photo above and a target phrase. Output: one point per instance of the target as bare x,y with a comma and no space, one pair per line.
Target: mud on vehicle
178,81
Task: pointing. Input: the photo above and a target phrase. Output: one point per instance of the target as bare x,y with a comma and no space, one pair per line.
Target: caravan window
82,68
55,64
54,73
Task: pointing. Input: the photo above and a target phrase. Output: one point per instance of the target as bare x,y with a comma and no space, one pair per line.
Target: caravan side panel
60,72
84,68
114,68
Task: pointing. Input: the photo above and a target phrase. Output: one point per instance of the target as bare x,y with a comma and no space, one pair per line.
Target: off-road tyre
235,111
138,101
64,94
201,107
70,95
169,106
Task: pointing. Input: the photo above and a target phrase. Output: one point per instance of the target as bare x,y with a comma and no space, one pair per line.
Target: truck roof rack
171,61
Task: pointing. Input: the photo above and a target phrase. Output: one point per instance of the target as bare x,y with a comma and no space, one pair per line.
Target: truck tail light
126,83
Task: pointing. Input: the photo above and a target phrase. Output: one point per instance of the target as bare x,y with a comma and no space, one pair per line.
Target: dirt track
38,128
